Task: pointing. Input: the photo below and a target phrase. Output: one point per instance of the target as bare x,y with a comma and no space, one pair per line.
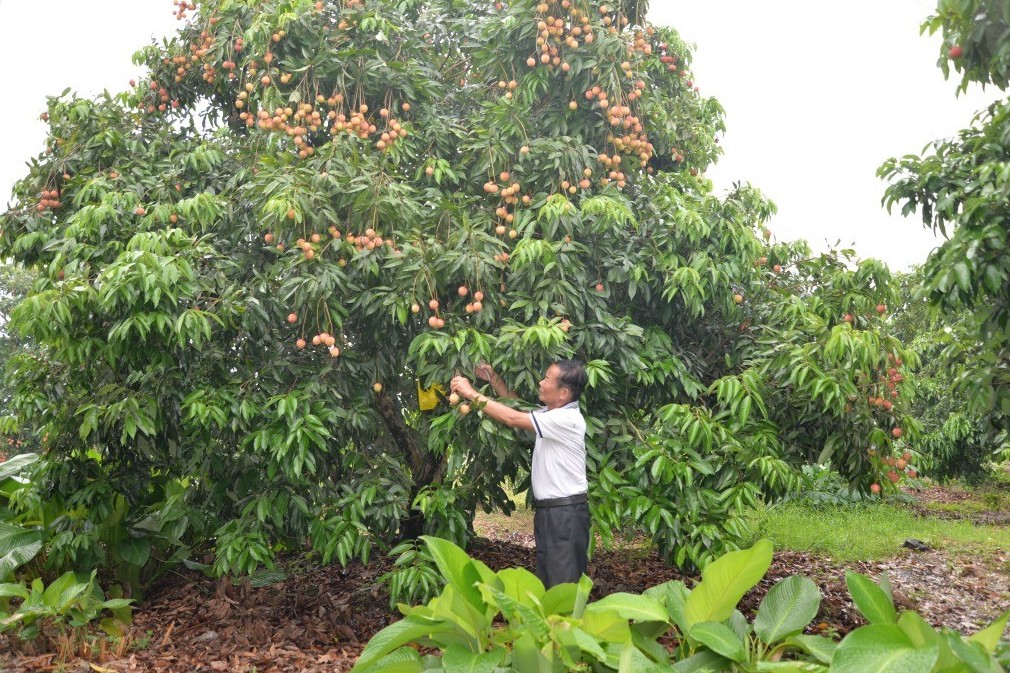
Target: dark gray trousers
561,534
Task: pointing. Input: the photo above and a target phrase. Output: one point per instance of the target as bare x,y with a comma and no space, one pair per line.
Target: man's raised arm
496,410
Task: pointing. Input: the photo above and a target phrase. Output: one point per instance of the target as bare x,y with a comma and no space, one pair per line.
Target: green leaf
560,599
16,590
720,638
585,586
872,601
519,584
963,277
458,659
606,625
112,627
403,660
725,581
397,634
971,653
633,661
18,546
674,595
917,630
64,591
16,465
787,609
630,606
135,551
882,648
454,609
527,656
790,667
705,661
645,637
588,644
819,647
457,569
990,636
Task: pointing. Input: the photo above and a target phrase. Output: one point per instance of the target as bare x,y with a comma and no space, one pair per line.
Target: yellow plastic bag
427,399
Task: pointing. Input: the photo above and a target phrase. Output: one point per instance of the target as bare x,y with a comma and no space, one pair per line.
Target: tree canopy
257,261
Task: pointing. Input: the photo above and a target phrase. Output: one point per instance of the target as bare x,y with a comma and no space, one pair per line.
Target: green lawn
870,532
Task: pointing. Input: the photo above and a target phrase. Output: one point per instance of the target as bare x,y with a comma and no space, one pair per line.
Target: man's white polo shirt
559,455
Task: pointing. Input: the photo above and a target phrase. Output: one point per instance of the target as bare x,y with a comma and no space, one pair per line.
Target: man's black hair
573,376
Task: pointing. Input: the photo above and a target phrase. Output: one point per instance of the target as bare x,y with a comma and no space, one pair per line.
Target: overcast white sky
817,96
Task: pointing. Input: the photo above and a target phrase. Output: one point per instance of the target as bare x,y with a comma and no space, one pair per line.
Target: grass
870,532
964,508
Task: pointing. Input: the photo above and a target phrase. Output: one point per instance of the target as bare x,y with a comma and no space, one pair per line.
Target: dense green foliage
251,261
960,187
15,284
957,441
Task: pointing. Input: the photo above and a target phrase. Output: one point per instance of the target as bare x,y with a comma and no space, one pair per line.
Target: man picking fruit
558,472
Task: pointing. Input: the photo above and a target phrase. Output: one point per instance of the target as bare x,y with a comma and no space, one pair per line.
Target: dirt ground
320,617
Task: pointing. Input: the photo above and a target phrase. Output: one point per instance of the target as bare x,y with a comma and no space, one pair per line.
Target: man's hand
462,387
484,372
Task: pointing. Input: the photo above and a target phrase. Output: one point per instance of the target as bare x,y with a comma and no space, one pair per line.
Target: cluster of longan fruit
899,468
640,42
370,240
555,31
616,175
156,99
49,199
509,194
197,51
182,7
435,320
324,340
394,130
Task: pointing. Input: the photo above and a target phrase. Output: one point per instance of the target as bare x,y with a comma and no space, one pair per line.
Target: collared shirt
559,455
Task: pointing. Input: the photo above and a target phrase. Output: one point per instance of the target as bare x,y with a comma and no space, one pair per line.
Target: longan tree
260,262
958,187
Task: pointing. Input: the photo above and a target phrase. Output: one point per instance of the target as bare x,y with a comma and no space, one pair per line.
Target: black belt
579,499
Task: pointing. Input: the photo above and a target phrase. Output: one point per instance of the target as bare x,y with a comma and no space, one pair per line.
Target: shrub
505,620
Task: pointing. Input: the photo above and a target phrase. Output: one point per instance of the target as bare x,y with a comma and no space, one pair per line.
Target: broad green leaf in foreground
882,648
630,606
725,581
872,601
787,609
721,639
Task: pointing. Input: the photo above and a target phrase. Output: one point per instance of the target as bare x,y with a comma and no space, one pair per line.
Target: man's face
552,393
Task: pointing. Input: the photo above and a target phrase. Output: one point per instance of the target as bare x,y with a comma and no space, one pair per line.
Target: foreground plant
506,621
68,603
